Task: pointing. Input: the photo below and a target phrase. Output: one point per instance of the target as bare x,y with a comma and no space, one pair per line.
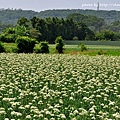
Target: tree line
48,29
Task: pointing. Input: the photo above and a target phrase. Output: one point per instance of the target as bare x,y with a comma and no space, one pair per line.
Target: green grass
93,50
74,49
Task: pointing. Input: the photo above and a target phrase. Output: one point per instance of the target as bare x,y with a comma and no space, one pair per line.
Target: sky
41,5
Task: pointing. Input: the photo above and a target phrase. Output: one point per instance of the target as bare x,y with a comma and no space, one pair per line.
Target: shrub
82,47
1,47
101,52
25,44
9,38
59,44
42,47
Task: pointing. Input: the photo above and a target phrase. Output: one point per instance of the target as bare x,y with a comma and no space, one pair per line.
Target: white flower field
59,87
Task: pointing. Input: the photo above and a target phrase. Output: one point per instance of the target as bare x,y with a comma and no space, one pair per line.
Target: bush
59,44
9,38
1,48
82,47
101,52
25,44
42,47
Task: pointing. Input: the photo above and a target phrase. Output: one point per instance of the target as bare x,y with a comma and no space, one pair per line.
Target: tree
35,34
59,44
42,27
108,35
21,31
23,22
25,44
34,20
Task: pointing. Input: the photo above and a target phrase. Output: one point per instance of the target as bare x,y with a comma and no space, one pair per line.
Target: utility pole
98,6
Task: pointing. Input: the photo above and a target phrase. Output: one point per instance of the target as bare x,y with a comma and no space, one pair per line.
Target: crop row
59,87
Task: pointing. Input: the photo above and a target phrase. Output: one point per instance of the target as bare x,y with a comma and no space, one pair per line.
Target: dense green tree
23,22
92,21
106,35
25,44
21,31
59,44
33,21
42,27
33,33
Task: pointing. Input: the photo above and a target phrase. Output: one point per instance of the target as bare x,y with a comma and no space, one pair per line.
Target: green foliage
106,35
10,47
9,38
75,38
4,26
23,22
10,16
42,47
35,34
59,44
101,52
90,20
10,34
53,27
21,31
9,30
82,47
1,47
25,44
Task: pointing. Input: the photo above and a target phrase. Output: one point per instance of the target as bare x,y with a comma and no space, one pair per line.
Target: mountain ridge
10,16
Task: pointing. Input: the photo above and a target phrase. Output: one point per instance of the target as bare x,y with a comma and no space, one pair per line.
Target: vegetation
59,44
65,87
72,86
82,47
92,50
93,22
42,47
48,30
75,27
11,16
2,47
25,44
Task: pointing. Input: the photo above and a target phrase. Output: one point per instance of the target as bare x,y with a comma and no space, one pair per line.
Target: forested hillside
108,16
9,16
70,24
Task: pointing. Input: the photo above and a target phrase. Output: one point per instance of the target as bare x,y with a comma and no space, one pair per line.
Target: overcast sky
40,5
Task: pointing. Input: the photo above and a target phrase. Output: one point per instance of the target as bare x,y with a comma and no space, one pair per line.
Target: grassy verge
93,50
74,49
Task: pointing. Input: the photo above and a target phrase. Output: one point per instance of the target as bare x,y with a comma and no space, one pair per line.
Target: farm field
92,50
59,87
74,49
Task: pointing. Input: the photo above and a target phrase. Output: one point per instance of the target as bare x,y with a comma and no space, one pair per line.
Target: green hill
10,16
